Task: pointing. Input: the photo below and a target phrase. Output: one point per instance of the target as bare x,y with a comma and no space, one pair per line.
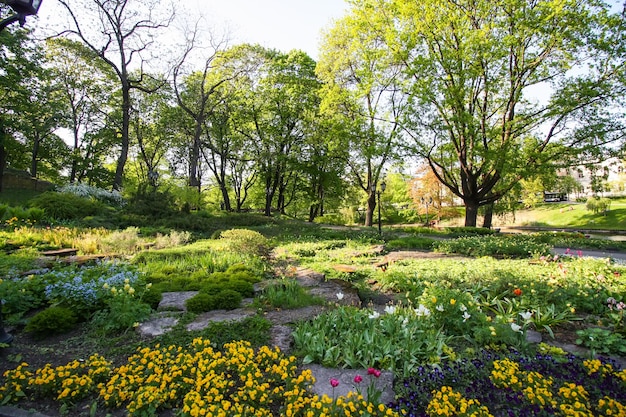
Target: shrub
152,297
113,197
52,321
227,300
66,206
200,303
242,287
245,241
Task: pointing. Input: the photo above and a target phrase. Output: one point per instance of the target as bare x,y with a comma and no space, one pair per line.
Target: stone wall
13,179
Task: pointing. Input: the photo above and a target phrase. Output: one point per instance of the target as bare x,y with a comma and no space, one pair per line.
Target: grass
574,216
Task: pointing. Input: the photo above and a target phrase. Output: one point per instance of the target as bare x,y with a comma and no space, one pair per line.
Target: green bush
66,206
227,300
246,242
152,296
52,321
242,287
201,303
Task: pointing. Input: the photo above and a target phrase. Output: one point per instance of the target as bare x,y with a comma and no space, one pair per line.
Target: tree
193,97
471,68
84,85
119,31
362,92
20,64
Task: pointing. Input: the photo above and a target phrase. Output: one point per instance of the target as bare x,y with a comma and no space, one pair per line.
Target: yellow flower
452,301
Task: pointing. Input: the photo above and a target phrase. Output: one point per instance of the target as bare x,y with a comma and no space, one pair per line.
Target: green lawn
574,215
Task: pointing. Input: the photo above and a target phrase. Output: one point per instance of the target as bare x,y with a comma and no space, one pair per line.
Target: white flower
516,327
405,321
374,315
462,307
466,316
527,315
390,309
339,296
439,307
422,310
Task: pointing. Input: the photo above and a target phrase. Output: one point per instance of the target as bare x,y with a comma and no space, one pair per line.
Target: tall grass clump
504,246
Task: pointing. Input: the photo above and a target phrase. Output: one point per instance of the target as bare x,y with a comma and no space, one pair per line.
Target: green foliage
227,300
505,246
285,294
66,206
400,340
405,243
201,303
121,313
245,241
598,205
602,341
51,321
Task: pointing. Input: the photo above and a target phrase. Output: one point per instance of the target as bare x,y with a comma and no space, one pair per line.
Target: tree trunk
471,213
121,161
487,221
313,211
34,156
225,198
371,205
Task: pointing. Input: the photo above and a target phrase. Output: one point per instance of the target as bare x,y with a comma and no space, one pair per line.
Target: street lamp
383,185
22,8
427,202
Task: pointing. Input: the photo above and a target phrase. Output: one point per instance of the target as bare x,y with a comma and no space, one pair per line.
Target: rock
175,301
157,326
281,337
533,336
204,319
384,383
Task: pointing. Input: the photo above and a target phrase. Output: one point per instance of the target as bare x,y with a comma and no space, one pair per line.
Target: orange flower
517,292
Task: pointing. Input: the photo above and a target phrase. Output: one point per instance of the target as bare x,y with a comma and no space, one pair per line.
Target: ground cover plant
447,316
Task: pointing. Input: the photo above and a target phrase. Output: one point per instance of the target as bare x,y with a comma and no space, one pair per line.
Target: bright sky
279,24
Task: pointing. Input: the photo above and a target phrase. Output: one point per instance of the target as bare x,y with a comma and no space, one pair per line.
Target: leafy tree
20,64
363,93
86,88
471,69
119,32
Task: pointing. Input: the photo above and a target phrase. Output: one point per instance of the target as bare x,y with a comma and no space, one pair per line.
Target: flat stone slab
337,291
309,278
157,326
384,383
281,337
175,301
204,319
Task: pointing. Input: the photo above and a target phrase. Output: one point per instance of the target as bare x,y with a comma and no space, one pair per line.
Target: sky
278,24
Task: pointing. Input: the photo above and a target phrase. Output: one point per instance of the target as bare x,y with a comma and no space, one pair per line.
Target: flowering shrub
198,381
85,289
112,197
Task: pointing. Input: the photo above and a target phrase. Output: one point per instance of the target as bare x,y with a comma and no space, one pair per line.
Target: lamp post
22,8
383,185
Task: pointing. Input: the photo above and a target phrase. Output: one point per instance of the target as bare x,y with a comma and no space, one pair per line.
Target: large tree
499,87
123,34
20,66
85,85
363,96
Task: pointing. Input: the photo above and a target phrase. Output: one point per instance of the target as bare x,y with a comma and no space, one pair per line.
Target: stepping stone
384,383
175,301
281,337
157,326
203,320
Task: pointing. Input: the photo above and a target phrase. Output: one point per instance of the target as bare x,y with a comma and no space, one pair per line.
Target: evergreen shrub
52,321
